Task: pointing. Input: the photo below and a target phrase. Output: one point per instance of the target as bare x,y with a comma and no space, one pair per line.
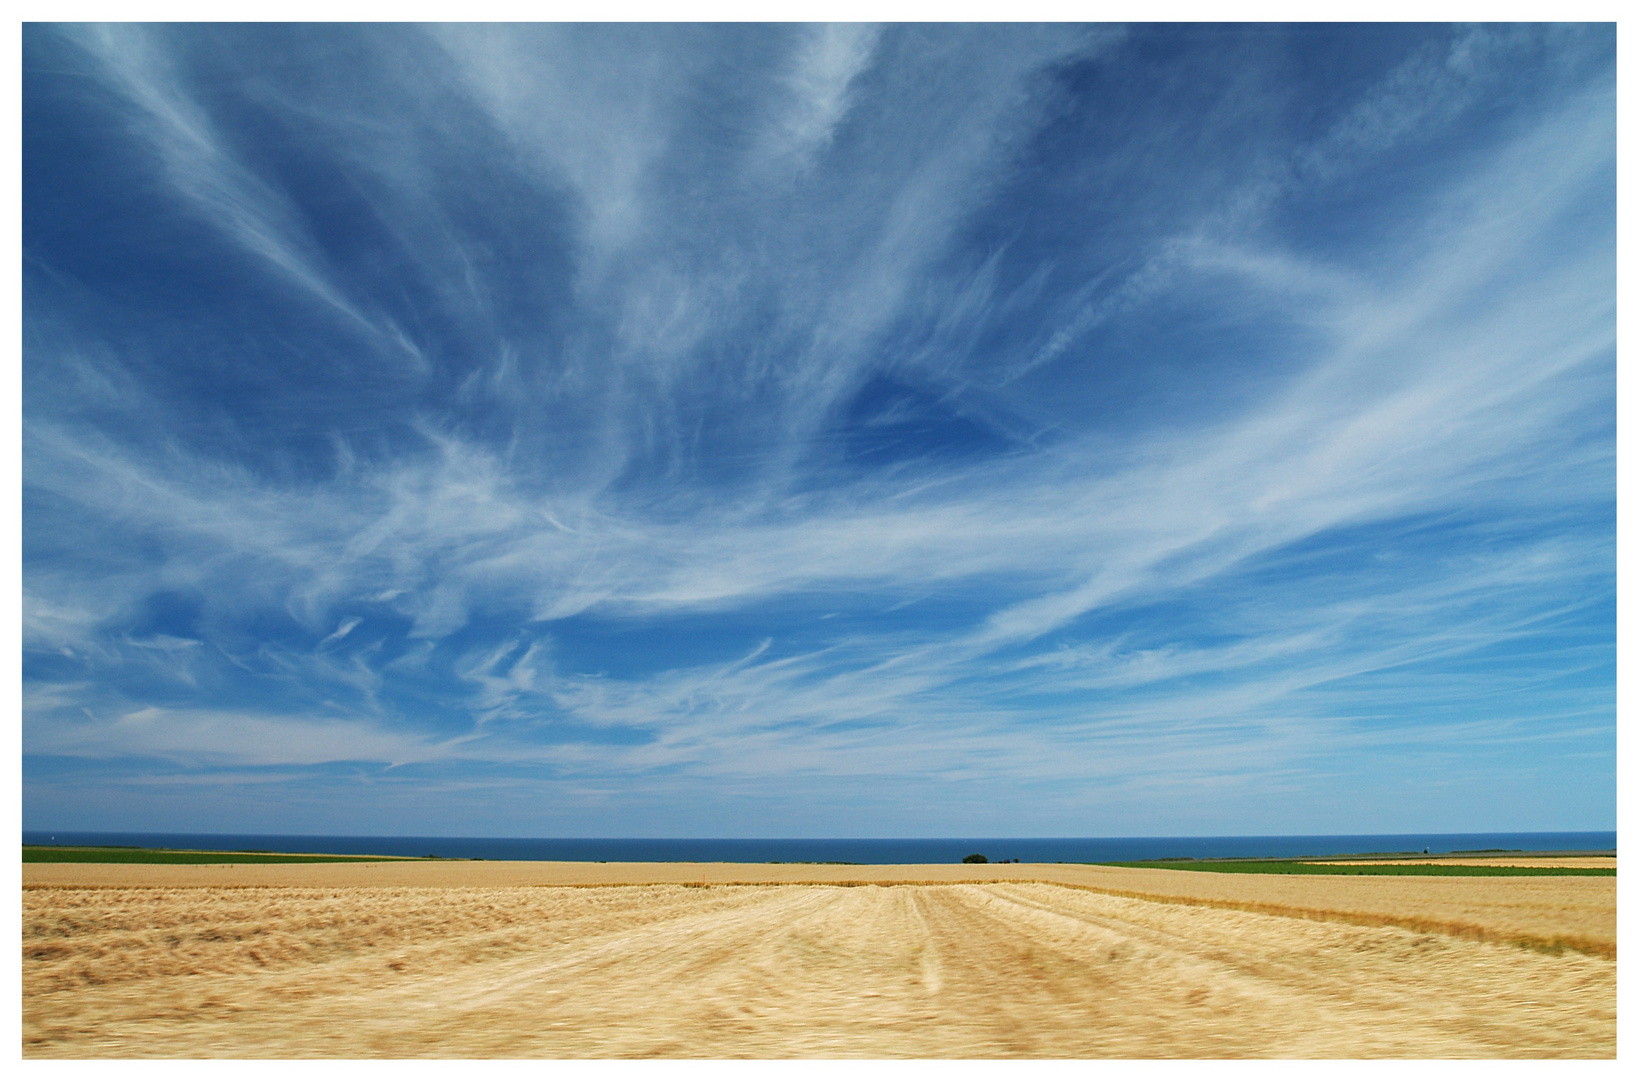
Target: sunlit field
1099,963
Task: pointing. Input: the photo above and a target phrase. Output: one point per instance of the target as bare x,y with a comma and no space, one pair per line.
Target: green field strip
45,854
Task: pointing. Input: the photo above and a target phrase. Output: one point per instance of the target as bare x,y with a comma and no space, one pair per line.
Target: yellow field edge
1472,932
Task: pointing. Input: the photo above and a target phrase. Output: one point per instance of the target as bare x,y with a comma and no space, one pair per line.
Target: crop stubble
1029,969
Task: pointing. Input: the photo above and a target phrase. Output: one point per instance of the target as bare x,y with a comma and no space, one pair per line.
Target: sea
1049,849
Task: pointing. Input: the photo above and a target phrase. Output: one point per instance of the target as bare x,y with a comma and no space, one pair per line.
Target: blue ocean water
1025,849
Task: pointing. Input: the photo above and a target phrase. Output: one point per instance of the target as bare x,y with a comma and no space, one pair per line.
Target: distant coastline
842,850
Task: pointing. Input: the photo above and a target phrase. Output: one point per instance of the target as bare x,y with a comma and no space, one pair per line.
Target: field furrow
1005,969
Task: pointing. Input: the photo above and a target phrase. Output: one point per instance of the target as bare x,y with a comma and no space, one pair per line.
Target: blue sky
802,431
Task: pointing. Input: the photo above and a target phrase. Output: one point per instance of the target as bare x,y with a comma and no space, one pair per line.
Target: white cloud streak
222,190
1453,374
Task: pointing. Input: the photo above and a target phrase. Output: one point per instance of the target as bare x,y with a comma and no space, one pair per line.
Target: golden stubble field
995,968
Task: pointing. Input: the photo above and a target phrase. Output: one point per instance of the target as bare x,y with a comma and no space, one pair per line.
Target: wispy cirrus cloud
204,171
598,538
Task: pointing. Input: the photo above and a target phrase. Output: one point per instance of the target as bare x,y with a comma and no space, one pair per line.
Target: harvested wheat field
1598,862
986,969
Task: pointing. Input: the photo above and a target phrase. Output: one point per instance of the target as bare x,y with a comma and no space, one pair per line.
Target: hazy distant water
1033,849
